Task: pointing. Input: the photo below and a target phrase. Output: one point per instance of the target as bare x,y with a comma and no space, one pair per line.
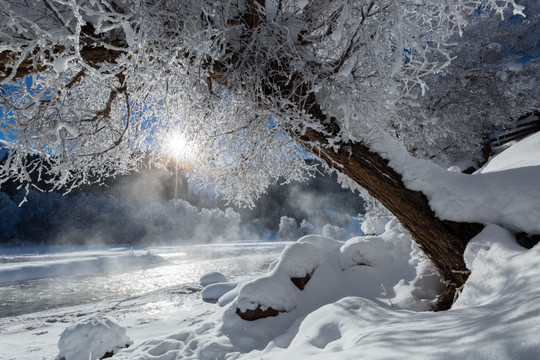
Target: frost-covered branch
238,78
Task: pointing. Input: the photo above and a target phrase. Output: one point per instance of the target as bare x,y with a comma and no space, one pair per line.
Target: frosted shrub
215,224
334,232
288,228
306,228
157,221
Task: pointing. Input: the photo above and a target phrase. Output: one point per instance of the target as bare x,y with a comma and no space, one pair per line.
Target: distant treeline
141,207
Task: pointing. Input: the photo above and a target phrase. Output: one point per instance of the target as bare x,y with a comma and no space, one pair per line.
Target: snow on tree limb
238,78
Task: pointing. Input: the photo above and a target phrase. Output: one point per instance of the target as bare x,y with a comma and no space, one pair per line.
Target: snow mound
407,279
217,290
92,338
278,293
497,316
212,278
323,243
299,260
491,257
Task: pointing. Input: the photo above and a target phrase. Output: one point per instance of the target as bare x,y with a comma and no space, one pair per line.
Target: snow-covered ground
363,298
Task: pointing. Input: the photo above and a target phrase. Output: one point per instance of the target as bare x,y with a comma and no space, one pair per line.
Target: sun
178,146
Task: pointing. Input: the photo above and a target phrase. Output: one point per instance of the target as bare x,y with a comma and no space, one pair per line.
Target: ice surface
18,272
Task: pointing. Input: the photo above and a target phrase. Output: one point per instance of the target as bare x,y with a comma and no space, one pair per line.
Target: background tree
246,82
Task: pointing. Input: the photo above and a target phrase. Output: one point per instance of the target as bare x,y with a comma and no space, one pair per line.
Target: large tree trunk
442,241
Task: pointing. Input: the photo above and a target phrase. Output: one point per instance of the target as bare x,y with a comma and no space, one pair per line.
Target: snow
496,317
375,225
92,338
212,278
214,292
366,298
278,293
496,197
512,157
60,65
299,260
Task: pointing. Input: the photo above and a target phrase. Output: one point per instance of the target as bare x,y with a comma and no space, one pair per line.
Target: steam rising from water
181,267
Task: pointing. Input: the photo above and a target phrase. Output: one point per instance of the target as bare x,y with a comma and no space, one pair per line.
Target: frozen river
42,278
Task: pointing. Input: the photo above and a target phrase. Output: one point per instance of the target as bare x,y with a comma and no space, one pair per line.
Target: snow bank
13,273
523,154
499,197
214,292
347,314
497,316
395,280
92,338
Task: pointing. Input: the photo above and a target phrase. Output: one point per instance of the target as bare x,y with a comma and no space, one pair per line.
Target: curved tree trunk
442,241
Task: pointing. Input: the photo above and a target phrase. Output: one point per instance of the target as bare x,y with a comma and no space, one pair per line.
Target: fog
148,207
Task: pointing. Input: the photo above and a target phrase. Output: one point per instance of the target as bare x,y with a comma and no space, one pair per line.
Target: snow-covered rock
213,277
299,260
92,338
275,292
217,290
323,243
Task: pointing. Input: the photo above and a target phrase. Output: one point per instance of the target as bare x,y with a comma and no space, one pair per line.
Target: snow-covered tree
251,85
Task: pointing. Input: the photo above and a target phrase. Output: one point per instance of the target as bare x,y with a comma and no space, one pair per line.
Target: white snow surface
496,317
513,156
212,277
217,290
398,277
92,338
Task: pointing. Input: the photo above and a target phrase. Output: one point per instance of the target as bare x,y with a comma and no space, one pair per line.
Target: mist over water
181,270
